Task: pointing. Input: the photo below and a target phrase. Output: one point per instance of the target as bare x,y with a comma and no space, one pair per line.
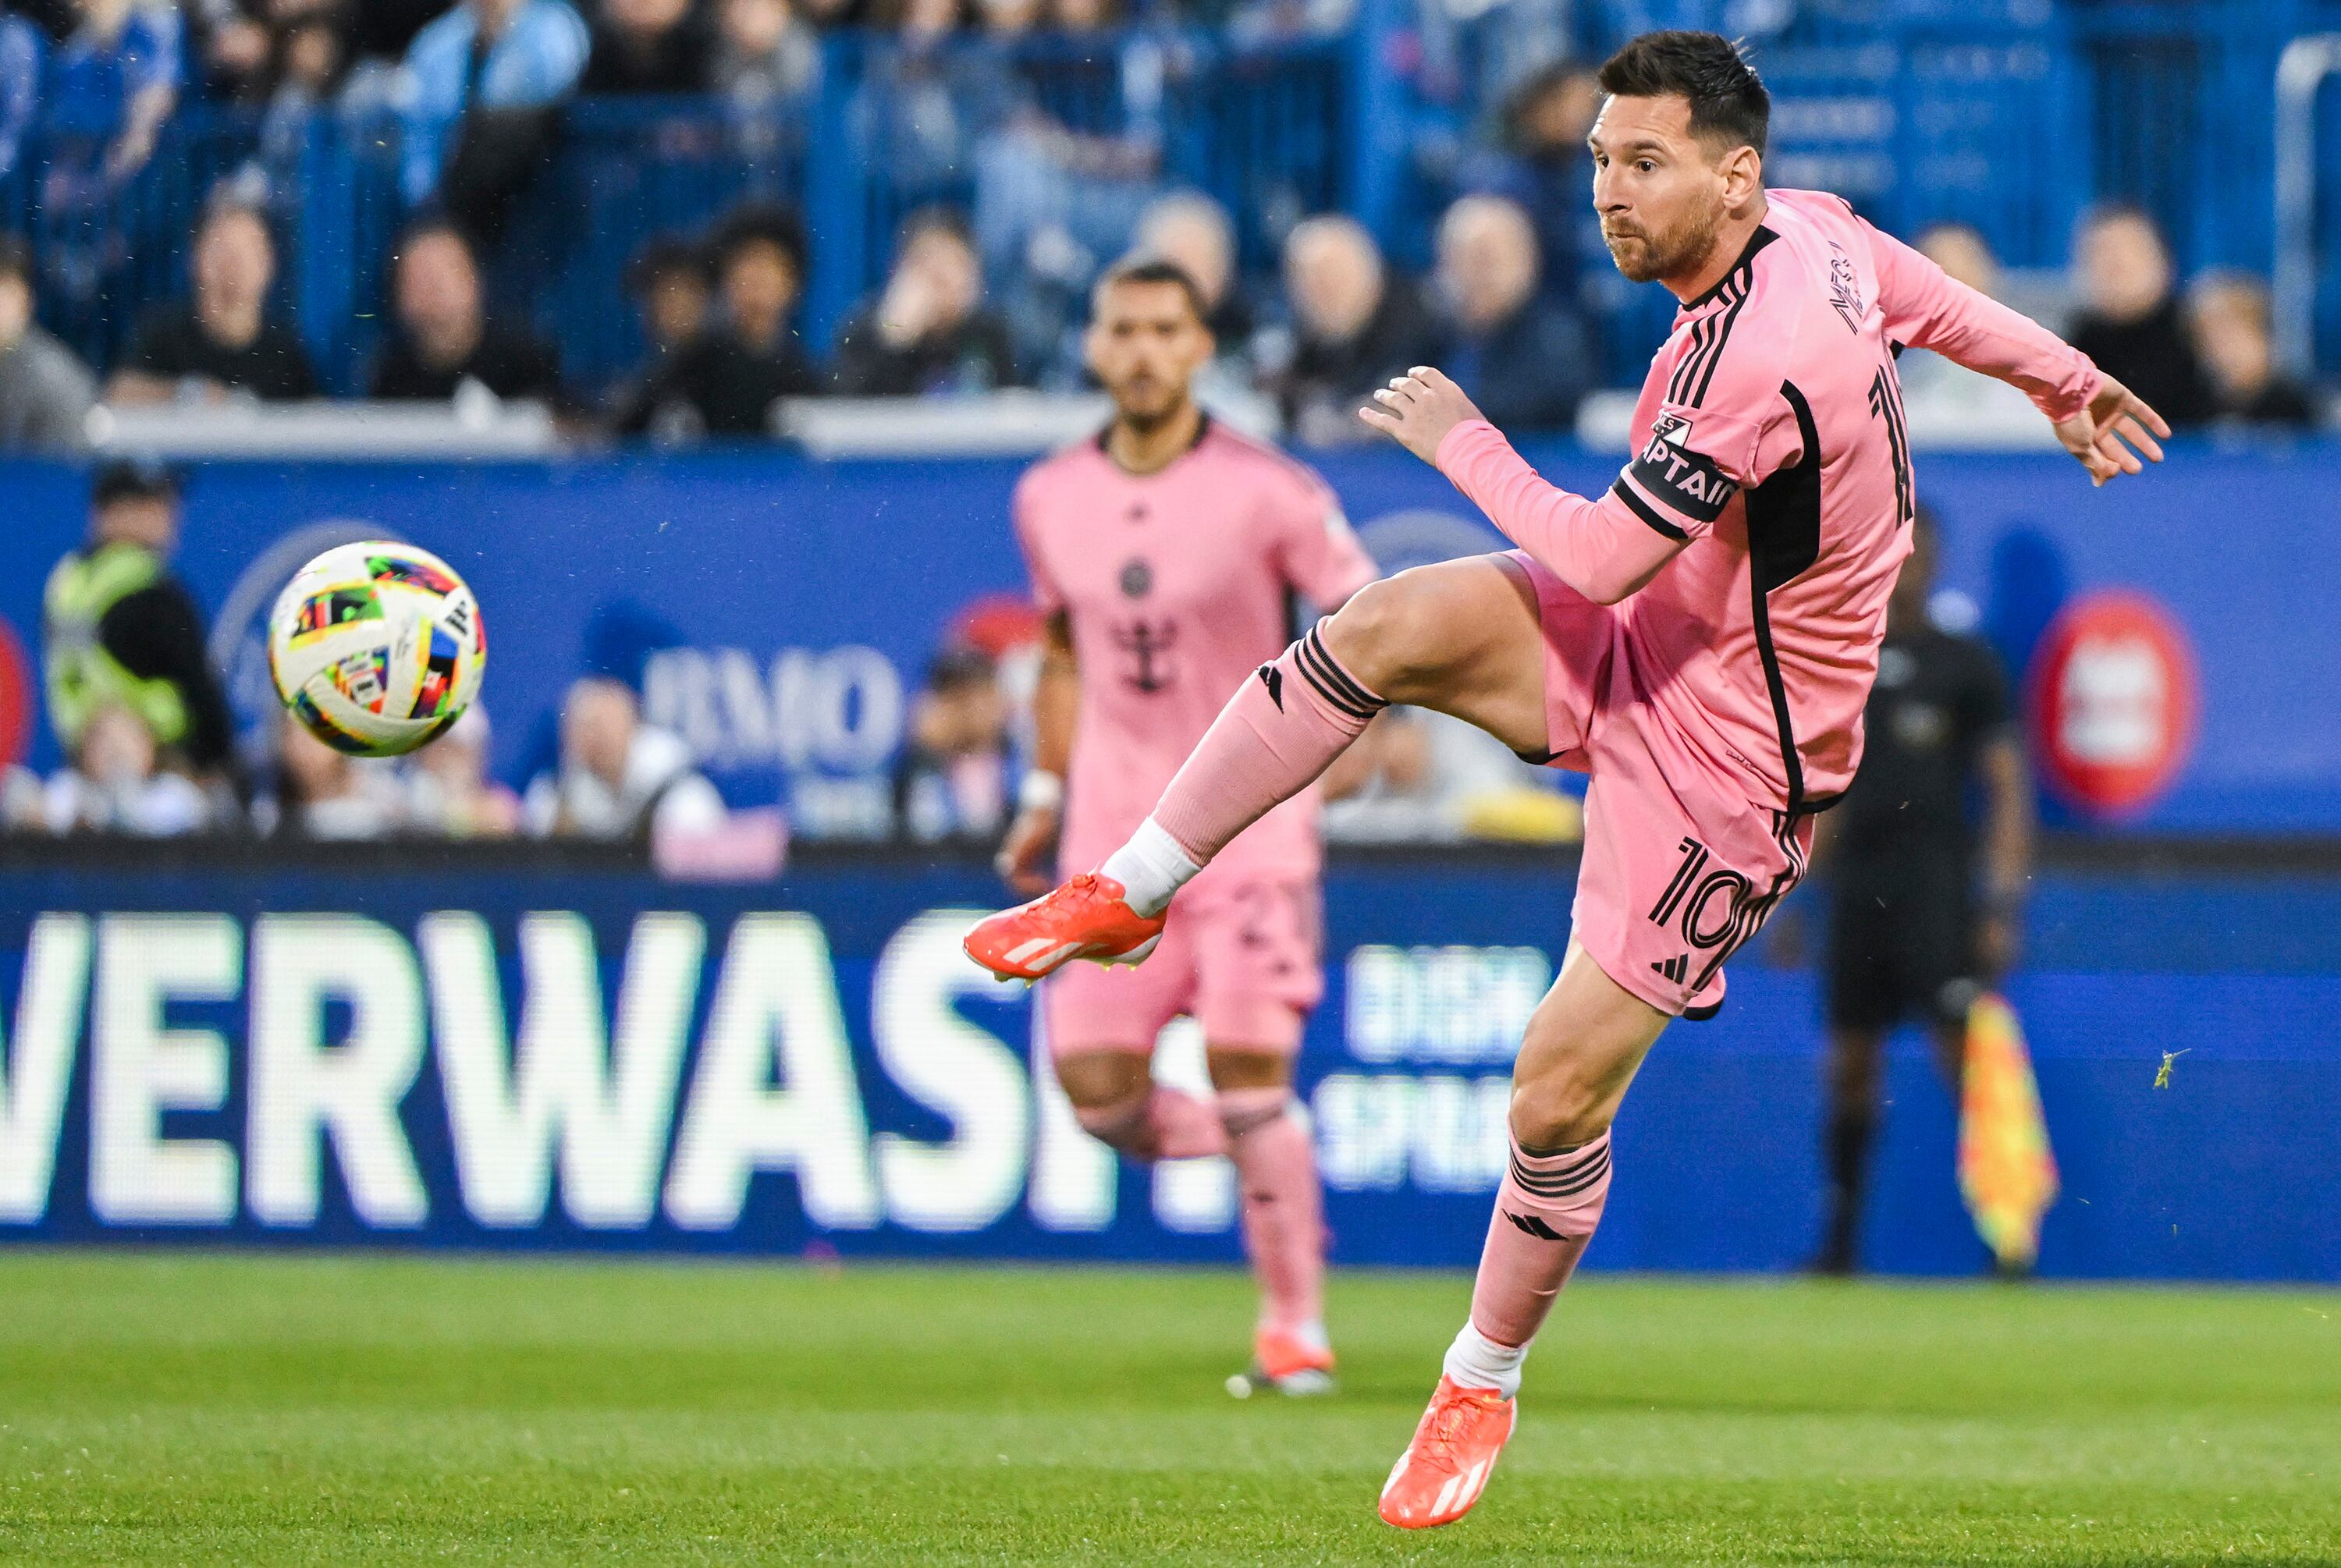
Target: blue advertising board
777,612
595,1059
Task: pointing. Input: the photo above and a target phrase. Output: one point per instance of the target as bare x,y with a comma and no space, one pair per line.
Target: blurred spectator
116,785
44,392
1354,327
119,631
928,332
327,794
2229,314
22,51
233,41
386,29
1416,777
619,779
481,88
647,47
2130,324
952,781
668,279
1945,396
117,78
448,790
725,382
765,54
24,800
223,341
444,340
1541,162
1192,230
1522,357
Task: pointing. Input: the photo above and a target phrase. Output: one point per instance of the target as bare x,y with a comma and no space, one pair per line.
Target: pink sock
1546,1211
1283,1209
1279,730
1164,1123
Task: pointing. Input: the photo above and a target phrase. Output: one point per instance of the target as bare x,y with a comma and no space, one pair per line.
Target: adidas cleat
1088,918
1443,1471
1298,1365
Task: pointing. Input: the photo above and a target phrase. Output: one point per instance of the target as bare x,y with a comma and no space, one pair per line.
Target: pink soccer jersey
1771,491
1179,584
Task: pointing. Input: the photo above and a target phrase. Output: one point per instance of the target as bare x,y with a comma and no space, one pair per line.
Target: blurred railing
2010,114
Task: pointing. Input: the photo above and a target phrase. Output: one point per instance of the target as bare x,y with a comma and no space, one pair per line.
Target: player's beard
1146,415
1645,257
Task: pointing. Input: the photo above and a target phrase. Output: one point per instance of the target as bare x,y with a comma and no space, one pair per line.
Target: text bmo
391,1061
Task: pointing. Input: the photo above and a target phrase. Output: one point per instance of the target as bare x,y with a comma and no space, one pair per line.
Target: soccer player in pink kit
1166,553
1700,638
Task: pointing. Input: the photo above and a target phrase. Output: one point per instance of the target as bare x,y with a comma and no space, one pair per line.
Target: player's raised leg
1582,1046
1461,637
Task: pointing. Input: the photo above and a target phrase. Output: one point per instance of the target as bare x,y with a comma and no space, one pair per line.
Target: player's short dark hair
1729,105
133,478
15,260
1154,269
761,223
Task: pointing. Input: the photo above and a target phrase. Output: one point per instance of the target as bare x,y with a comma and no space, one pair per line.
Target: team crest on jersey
1844,288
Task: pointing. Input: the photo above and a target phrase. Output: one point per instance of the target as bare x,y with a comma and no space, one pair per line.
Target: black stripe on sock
1331,698
1310,662
1561,1184
1315,642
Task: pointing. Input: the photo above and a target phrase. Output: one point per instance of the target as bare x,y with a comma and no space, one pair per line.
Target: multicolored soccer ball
377,646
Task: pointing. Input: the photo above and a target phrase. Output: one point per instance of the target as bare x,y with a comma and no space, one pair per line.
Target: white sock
1150,868
1475,1361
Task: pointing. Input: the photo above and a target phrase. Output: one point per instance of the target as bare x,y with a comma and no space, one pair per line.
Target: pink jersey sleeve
1927,308
1604,549
1317,548
1046,594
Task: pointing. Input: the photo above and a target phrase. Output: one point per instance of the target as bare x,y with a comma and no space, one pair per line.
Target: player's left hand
1419,409
2114,415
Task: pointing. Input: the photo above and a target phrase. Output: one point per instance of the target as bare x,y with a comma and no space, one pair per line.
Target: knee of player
1104,1083
1389,634
1558,1109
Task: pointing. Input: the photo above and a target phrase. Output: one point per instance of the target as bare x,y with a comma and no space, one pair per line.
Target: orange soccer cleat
1088,918
1446,1467
1299,1364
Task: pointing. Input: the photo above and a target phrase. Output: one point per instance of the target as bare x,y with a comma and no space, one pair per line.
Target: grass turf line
202,1408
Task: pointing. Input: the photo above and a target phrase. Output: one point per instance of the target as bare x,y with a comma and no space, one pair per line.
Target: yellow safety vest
82,677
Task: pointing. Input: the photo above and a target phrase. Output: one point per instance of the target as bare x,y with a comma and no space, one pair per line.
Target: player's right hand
2114,416
1025,853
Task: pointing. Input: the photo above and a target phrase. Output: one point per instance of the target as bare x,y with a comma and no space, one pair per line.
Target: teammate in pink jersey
1166,553
1700,638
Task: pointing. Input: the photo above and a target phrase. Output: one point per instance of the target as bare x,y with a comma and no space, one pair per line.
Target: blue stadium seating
2012,114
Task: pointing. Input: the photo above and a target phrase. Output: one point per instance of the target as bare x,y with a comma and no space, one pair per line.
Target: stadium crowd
978,297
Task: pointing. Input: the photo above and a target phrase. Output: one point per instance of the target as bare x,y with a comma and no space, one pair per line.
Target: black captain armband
1672,473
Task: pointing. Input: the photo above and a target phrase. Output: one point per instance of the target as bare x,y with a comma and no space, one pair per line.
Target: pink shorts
1240,956
1680,867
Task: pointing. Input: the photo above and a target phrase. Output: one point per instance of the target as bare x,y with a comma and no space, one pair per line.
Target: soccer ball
377,646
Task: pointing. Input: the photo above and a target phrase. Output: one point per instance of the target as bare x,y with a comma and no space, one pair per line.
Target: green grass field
232,1409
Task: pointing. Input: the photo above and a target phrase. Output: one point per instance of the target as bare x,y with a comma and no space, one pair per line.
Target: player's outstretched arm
1598,548
2102,435
2094,415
